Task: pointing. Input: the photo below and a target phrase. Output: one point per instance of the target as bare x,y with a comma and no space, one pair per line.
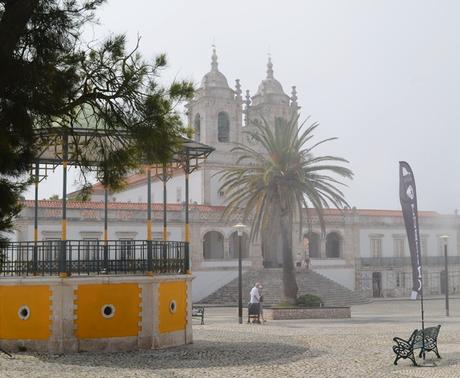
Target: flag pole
423,312
408,198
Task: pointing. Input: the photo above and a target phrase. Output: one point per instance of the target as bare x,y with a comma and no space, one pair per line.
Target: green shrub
309,300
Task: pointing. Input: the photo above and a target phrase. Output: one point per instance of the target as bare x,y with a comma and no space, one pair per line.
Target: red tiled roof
57,204
393,213
374,212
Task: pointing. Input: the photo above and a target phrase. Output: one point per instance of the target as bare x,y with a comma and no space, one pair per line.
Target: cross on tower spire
214,59
269,67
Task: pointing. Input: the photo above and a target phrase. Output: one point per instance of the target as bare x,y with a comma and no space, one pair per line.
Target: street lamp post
239,229
446,280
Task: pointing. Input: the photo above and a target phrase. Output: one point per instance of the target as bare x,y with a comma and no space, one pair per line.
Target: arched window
233,245
333,245
280,124
213,245
223,127
197,127
312,244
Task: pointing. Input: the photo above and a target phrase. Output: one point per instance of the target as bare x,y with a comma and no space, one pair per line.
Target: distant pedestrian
254,303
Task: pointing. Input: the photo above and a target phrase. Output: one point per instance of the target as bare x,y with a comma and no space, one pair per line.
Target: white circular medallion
24,312
172,306
108,311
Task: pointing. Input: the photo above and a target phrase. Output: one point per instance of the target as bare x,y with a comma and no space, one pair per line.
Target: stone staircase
331,293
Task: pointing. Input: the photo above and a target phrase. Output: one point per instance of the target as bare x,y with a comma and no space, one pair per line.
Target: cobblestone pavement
357,347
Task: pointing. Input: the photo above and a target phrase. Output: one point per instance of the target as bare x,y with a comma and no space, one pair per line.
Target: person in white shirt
254,294
254,301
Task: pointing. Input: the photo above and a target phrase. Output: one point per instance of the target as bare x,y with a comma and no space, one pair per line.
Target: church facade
362,249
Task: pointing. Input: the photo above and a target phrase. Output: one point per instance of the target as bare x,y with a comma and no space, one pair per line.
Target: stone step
310,282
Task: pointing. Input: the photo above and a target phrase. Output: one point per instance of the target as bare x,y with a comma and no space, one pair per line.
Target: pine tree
49,77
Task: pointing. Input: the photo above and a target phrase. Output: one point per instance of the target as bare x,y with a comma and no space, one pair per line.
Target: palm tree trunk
269,249
290,287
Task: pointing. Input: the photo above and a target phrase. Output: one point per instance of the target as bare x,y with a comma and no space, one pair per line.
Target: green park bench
425,340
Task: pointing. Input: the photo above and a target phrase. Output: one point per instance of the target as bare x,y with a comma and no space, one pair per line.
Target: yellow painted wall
173,321
37,299
90,299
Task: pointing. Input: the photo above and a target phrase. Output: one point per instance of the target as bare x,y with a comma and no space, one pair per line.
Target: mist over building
363,250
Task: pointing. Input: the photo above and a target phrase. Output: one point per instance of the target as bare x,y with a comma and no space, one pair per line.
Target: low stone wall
307,313
109,313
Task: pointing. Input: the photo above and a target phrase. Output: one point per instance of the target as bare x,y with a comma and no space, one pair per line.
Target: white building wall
344,276
387,235
116,230
217,198
175,186
132,194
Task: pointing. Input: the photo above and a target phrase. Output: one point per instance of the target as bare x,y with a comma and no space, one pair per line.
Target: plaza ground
356,347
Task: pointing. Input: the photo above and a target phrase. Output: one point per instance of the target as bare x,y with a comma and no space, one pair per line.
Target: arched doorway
333,245
233,246
376,284
311,243
213,245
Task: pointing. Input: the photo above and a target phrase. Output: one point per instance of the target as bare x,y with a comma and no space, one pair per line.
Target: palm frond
281,174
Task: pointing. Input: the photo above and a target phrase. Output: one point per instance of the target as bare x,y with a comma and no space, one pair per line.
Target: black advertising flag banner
408,198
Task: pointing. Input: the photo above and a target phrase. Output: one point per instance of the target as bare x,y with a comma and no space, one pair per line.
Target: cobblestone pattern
356,347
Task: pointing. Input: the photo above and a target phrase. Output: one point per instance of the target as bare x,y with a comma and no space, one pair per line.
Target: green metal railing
93,257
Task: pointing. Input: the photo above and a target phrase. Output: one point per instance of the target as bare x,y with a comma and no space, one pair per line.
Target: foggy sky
383,76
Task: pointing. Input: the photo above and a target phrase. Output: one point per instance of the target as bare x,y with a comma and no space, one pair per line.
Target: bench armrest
401,342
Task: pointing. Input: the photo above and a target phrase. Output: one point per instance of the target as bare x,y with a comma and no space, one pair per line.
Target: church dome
270,90
214,78
270,85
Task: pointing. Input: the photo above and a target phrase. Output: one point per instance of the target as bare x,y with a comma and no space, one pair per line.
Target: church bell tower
215,115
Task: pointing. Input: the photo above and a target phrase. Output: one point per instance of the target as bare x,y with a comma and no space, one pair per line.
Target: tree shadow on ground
201,354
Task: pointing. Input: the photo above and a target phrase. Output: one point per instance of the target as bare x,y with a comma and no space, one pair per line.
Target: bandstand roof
89,140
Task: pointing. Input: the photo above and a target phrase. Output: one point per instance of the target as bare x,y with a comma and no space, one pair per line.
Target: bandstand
57,296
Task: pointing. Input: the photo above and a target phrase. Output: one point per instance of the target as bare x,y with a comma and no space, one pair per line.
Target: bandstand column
149,222
106,233
106,213
64,202
149,204
165,198
35,251
62,259
165,219
187,224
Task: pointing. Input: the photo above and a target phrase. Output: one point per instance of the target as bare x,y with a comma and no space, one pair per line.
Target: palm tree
275,182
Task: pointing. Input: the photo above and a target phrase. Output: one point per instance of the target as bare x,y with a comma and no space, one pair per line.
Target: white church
364,250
